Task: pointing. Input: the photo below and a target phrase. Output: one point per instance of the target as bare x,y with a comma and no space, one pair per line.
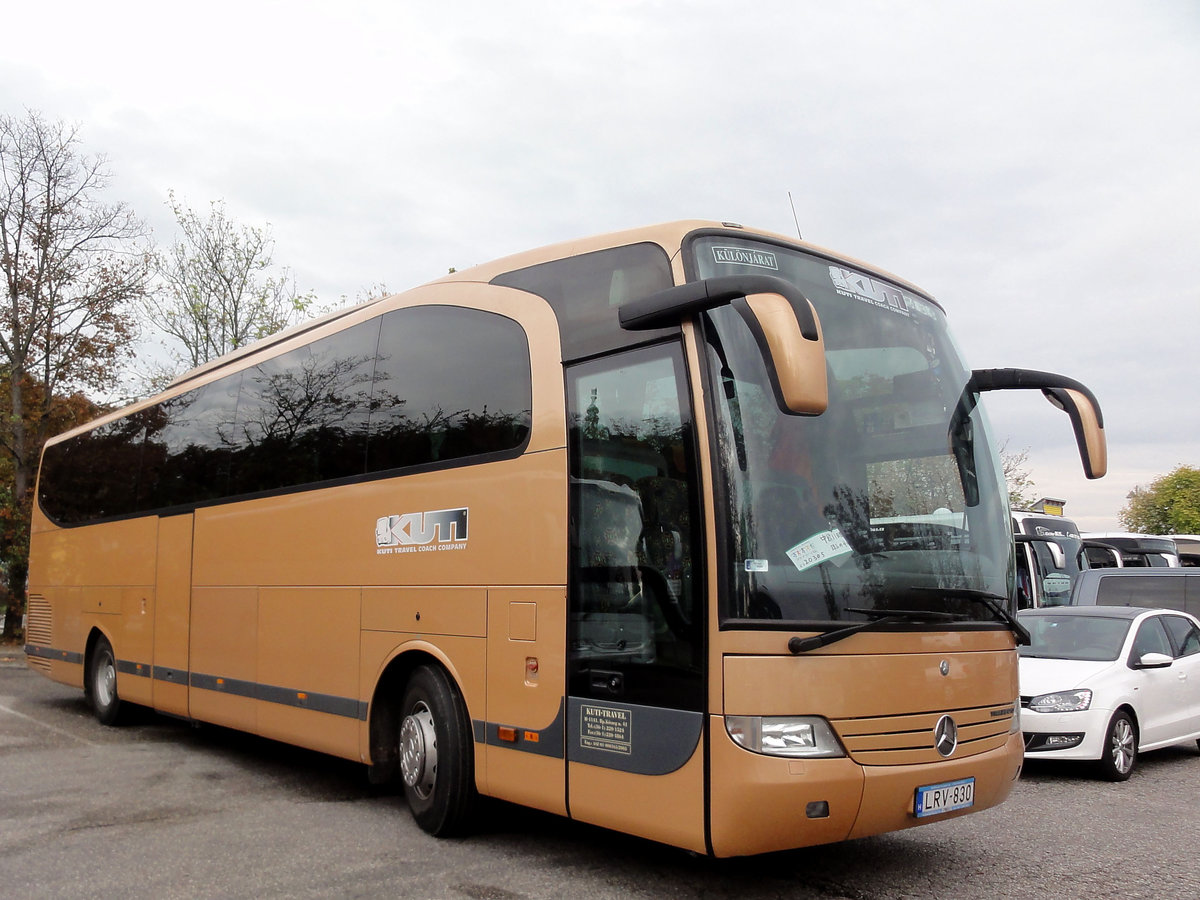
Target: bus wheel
102,684
436,753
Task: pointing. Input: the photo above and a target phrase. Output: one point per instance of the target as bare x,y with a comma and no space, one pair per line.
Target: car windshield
890,500
1098,638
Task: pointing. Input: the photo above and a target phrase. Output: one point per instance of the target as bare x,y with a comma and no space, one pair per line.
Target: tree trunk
16,609
18,573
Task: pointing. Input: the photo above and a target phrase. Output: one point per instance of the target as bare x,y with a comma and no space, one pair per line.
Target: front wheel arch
1119,752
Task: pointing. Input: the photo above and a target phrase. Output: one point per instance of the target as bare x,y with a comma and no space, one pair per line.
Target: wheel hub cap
106,684
418,751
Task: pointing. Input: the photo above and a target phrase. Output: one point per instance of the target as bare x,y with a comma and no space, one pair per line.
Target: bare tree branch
71,265
216,296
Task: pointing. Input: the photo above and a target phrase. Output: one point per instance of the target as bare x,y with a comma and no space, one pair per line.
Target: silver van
1174,588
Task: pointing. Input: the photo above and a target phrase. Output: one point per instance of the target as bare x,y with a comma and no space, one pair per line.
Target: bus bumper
762,804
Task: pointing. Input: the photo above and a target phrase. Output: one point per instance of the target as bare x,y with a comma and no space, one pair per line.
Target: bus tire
436,752
102,683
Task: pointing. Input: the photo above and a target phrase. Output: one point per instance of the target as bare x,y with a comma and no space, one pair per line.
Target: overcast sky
1034,165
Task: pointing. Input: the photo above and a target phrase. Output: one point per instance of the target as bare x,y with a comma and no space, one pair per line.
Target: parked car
1107,683
1174,588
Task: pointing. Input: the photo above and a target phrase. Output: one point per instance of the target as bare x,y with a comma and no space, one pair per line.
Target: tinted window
1140,590
449,383
302,417
95,473
189,446
586,291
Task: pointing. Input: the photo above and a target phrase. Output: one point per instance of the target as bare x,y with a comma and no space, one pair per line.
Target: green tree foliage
71,266
1170,505
217,293
60,414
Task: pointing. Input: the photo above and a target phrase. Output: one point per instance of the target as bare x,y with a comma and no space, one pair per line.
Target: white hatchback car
1105,683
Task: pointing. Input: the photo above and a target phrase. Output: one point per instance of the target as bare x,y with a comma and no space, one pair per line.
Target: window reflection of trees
456,385
187,450
300,419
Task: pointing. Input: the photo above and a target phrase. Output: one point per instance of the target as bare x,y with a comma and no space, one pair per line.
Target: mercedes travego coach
597,529
1139,550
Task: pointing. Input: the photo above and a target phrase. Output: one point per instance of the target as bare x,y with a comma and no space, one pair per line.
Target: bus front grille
910,738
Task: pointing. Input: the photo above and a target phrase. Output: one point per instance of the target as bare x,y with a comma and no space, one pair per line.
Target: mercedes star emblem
945,736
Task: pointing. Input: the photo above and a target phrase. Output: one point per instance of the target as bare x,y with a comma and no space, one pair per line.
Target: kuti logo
440,529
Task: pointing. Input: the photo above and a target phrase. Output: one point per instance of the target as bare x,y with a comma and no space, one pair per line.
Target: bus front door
635,665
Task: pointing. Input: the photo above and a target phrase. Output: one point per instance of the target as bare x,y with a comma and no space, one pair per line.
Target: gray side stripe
132,668
347,707
49,653
546,741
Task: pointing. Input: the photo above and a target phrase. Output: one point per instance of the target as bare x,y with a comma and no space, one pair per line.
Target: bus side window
460,388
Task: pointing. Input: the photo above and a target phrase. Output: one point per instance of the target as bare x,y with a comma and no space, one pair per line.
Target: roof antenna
794,219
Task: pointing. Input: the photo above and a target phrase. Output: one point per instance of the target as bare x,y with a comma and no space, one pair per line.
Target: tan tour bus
592,529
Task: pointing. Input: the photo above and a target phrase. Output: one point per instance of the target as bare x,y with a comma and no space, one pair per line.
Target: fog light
1052,741
1063,740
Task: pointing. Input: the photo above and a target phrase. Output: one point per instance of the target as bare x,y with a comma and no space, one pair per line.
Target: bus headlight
798,736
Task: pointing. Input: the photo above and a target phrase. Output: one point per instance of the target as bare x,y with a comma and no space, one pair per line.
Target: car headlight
808,737
1062,701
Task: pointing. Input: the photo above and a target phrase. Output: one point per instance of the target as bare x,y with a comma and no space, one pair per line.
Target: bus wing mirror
1066,394
782,320
796,363
1089,427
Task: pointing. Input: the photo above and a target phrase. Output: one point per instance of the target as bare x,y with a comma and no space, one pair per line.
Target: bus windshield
889,501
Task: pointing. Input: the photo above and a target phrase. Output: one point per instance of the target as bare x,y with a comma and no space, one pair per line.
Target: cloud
1030,164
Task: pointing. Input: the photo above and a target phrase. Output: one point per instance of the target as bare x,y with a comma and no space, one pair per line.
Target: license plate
945,797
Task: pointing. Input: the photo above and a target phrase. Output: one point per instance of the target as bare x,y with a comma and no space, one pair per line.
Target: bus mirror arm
1067,394
784,324
668,307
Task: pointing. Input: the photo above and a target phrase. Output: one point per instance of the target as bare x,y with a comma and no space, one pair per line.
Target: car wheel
102,684
1120,748
436,753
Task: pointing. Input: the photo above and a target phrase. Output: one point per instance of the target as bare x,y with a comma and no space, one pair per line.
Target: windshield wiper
878,617
993,602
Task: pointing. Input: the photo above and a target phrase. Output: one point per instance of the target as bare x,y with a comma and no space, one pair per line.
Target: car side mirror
1153,661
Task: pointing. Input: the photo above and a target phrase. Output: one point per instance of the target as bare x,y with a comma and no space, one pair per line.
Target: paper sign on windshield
821,547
